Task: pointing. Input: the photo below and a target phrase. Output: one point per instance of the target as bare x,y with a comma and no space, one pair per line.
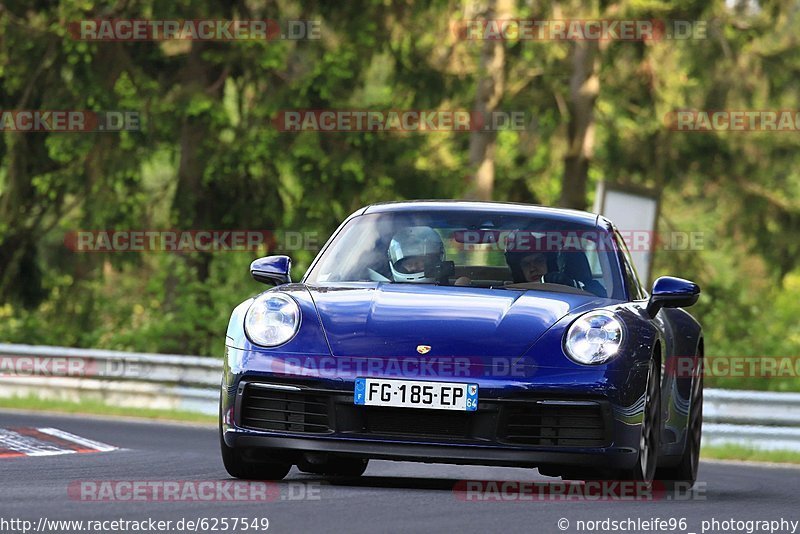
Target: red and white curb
15,442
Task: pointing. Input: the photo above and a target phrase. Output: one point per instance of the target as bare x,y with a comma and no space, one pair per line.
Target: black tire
341,466
650,441
239,467
685,472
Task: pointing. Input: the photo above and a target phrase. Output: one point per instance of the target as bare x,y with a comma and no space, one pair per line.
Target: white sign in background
631,213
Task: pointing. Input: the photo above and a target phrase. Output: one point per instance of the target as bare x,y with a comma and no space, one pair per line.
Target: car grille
406,422
557,424
533,422
288,411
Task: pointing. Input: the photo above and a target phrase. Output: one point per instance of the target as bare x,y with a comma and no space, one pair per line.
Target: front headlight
272,320
594,338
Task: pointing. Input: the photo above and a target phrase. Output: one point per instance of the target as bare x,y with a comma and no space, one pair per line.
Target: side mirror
670,292
272,270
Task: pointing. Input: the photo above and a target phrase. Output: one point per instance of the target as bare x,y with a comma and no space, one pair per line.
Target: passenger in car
534,266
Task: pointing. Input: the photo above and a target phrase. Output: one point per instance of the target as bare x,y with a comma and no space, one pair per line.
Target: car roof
506,208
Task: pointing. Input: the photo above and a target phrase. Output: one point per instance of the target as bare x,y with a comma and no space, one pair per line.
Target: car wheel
685,472
238,466
335,466
649,442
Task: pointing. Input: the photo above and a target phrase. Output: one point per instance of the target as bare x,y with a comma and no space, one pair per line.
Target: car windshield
475,249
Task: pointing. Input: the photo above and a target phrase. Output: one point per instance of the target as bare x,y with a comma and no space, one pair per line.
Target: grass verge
96,407
750,454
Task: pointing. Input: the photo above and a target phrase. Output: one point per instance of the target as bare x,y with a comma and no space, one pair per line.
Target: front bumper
559,428
293,447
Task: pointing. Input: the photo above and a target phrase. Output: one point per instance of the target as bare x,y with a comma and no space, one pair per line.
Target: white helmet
411,249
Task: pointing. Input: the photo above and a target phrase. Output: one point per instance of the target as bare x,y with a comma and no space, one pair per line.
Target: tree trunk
193,205
583,90
15,203
489,94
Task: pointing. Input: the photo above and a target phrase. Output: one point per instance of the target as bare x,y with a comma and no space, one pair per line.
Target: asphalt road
390,497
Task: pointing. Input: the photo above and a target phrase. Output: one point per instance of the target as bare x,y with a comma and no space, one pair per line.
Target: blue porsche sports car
468,333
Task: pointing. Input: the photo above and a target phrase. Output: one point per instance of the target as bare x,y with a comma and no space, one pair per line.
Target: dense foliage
209,157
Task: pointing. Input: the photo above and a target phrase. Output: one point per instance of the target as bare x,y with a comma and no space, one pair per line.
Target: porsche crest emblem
423,349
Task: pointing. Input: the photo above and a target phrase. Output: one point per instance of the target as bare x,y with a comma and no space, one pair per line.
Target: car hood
393,320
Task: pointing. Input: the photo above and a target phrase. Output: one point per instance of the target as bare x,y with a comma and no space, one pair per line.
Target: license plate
416,394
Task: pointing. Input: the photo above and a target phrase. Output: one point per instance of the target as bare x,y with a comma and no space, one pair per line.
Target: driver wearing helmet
526,261
413,249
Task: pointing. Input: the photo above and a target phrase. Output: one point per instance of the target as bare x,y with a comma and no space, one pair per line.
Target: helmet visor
416,264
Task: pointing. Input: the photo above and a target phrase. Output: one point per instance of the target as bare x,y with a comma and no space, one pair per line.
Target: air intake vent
285,411
556,424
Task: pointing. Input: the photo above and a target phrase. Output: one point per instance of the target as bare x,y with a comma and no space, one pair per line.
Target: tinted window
635,288
475,249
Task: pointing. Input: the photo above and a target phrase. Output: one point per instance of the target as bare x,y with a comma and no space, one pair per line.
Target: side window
635,288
